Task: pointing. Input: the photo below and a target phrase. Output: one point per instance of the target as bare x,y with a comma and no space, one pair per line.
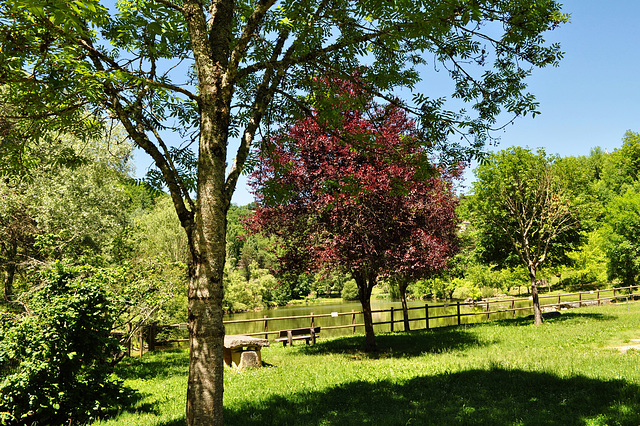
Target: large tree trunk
370,338
206,361
537,312
206,328
365,285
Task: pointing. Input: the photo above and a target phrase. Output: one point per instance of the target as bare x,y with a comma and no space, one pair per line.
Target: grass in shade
566,371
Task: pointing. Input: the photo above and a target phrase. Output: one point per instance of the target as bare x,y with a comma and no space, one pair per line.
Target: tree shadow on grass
155,365
162,364
177,422
437,340
130,398
477,397
398,345
564,316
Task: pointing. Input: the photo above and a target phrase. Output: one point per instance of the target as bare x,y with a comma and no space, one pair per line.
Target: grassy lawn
497,373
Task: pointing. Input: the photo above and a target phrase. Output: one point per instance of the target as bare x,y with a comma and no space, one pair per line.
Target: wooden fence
465,312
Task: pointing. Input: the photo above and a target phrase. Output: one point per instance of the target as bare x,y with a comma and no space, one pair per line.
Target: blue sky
590,100
593,97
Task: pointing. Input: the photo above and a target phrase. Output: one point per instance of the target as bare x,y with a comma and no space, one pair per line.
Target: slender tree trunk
5,286
402,286
8,282
370,338
365,285
537,312
10,272
9,275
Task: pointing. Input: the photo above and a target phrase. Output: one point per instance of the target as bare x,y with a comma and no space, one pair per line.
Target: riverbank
567,371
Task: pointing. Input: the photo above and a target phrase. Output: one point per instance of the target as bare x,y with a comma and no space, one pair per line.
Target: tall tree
211,70
522,212
18,231
622,168
623,237
362,198
582,176
59,201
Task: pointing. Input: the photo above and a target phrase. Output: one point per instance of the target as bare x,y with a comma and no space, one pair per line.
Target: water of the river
338,306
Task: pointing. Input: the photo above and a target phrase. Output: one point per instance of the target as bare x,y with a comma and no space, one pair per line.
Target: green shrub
487,292
575,279
55,359
349,290
465,290
328,284
439,288
261,289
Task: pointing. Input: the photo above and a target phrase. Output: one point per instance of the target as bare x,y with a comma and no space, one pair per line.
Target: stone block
250,359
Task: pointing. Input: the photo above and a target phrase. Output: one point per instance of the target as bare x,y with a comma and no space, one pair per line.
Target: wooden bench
288,336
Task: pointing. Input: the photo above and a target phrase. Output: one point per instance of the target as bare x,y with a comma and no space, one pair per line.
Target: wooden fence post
487,310
513,307
459,319
266,328
598,296
426,314
353,320
392,319
559,296
579,299
312,324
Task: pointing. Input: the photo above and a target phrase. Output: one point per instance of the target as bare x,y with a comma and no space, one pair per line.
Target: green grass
498,373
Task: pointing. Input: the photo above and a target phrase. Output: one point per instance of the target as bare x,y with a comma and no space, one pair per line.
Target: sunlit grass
501,373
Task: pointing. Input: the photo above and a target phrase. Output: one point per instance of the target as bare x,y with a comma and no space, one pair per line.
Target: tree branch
263,98
243,41
115,66
170,5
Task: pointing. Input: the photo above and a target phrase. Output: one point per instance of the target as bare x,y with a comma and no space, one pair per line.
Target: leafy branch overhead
137,60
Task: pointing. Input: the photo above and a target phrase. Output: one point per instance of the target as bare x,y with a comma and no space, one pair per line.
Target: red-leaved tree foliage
358,194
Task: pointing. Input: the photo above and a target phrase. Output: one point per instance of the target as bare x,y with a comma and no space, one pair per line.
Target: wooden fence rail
483,308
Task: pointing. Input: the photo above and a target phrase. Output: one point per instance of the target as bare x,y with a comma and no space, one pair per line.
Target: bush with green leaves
623,237
349,290
465,290
261,289
330,283
55,358
588,263
438,288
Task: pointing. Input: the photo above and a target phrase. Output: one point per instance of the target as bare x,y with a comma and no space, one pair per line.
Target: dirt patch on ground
635,345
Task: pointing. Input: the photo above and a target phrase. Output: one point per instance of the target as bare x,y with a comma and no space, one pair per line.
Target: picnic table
243,351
